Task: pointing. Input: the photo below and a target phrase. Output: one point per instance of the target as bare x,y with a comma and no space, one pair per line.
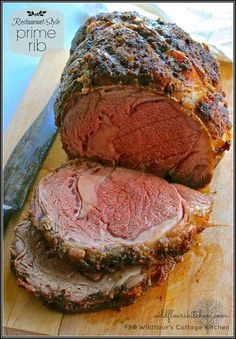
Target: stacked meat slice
140,97
101,236
42,273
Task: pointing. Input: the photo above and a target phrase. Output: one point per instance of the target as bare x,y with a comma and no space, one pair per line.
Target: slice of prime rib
105,218
142,94
59,285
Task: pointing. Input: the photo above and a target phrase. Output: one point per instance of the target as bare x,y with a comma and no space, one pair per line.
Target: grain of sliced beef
105,218
56,282
142,94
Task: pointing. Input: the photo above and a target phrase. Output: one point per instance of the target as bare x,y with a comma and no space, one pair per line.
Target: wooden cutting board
203,280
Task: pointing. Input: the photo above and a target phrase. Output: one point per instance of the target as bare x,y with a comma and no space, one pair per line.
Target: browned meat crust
129,49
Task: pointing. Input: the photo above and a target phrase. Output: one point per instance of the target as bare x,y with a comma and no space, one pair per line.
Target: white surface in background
206,22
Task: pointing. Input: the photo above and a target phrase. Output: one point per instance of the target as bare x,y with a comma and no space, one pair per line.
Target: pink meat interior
138,129
100,204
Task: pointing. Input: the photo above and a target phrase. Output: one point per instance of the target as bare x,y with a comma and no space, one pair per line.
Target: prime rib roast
142,94
143,118
60,286
104,218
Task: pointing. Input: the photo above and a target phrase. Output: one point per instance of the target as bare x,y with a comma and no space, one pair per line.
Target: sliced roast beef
105,218
46,276
142,94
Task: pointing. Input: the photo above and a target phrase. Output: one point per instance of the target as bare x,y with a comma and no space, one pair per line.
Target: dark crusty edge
125,34
90,260
173,244
119,297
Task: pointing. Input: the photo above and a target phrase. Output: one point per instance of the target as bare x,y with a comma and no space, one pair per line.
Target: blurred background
205,22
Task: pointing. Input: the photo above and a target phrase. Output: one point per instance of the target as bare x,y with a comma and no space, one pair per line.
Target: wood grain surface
202,280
